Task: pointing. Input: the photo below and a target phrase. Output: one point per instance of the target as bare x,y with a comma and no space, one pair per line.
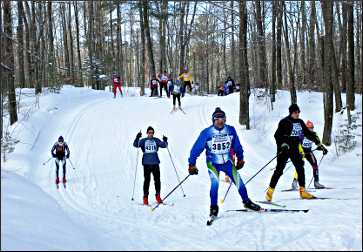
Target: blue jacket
149,147
217,143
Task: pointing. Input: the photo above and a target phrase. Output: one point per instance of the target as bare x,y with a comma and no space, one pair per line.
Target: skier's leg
57,171
114,90
214,179
174,98
178,97
231,171
147,173
119,87
297,160
64,169
281,163
156,174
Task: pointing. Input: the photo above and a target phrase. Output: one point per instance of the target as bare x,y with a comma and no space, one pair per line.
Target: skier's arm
137,142
66,148
197,148
236,145
161,144
52,151
282,133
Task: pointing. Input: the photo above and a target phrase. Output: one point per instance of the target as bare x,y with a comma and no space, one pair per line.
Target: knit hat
150,128
294,108
60,139
218,113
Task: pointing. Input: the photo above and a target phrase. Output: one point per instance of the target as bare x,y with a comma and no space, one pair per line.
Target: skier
231,85
220,91
170,85
58,151
176,91
217,140
154,82
289,135
150,161
187,79
163,83
309,155
116,79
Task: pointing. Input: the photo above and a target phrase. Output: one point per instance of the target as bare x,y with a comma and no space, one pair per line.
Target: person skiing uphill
175,89
116,79
150,161
310,157
58,152
289,136
217,140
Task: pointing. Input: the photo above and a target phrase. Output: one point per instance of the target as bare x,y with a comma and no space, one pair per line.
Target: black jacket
292,131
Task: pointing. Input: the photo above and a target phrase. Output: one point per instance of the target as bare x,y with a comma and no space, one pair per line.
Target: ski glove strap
285,147
322,148
193,170
240,164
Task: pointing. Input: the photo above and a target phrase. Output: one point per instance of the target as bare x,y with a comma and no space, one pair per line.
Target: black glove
322,148
240,164
67,156
165,139
285,147
193,170
139,135
53,155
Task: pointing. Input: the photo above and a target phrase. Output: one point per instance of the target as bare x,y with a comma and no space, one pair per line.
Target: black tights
155,170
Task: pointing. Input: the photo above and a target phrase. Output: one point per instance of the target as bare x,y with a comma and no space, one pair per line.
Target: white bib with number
150,146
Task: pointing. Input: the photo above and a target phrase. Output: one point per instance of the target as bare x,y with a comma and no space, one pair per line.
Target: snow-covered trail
100,133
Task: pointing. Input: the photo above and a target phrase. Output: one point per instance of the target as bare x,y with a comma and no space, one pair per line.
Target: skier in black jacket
289,136
60,147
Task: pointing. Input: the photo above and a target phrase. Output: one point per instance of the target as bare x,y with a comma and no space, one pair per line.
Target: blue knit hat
218,113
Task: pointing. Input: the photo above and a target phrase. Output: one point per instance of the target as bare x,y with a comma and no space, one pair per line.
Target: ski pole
175,170
47,161
251,177
137,159
152,209
313,174
290,161
70,161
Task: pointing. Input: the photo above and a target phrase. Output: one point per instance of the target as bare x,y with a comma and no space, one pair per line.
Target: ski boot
213,211
227,179
269,193
250,205
305,195
57,180
158,199
64,180
317,185
146,200
294,185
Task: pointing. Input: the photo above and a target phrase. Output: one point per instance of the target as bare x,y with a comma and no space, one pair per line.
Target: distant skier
163,83
176,91
116,79
230,84
289,136
187,80
154,82
58,151
150,161
310,157
217,140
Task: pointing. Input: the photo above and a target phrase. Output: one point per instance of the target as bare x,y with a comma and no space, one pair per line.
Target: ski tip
221,201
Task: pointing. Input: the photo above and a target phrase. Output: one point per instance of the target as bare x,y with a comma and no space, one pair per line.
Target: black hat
218,113
294,108
60,139
150,128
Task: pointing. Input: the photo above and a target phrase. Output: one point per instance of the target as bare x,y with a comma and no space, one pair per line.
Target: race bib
220,144
297,130
150,146
307,144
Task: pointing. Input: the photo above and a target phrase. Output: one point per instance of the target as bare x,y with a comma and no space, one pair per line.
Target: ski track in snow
99,190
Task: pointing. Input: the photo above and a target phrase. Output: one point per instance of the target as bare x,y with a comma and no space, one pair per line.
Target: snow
95,211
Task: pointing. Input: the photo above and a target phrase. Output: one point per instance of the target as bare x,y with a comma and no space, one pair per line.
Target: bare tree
350,83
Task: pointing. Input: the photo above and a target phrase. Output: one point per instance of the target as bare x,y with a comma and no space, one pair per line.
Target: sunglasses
150,132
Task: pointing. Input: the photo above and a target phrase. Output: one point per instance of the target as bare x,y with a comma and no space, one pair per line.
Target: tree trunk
143,46
51,54
312,55
71,56
233,44
244,117
261,46
91,44
302,44
279,44
8,60
20,37
343,48
80,82
149,40
350,72
273,60
327,9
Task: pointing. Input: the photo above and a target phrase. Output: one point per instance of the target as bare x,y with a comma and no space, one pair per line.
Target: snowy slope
96,207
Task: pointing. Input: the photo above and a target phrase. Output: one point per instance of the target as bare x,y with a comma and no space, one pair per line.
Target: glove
53,155
193,170
139,135
240,164
67,156
285,147
165,139
322,148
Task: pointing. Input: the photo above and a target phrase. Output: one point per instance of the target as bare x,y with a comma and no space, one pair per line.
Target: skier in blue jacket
217,140
150,161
